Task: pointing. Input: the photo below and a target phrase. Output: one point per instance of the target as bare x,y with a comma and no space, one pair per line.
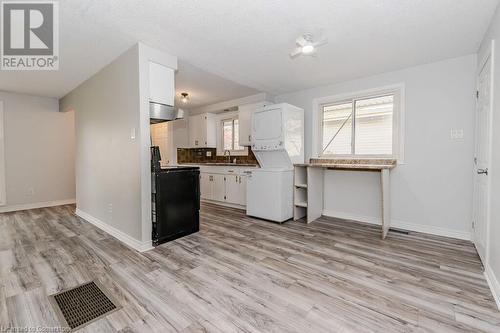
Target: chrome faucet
229,155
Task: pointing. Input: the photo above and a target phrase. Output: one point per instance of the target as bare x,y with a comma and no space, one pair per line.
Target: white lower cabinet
225,188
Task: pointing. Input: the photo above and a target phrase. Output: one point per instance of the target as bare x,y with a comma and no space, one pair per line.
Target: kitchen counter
348,164
222,164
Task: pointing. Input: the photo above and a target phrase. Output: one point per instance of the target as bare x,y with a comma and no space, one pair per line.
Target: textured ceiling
205,88
248,41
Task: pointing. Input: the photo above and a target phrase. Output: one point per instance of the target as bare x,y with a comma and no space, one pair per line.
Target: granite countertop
222,164
354,164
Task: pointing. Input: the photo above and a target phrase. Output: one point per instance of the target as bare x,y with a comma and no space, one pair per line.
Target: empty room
250,166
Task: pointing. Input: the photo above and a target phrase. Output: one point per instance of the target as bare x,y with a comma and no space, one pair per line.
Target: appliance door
177,204
267,129
270,194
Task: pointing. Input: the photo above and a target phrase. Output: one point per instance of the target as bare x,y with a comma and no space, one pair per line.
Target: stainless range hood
159,113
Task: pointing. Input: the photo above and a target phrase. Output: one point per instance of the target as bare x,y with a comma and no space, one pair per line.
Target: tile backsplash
199,155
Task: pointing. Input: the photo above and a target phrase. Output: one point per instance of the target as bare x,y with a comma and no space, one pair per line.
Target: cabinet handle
236,178
249,138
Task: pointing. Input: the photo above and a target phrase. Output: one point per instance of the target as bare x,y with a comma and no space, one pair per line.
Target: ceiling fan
307,45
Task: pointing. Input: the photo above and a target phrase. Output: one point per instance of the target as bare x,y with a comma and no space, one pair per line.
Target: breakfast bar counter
309,182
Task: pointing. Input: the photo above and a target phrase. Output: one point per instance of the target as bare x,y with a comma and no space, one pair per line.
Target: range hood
159,113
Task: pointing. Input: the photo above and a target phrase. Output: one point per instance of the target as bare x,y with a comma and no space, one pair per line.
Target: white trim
438,231
493,283
224,204
3,191
219,118
15,208
399,117
118,234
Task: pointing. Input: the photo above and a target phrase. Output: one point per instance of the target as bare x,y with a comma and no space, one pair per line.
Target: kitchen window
364,126
229,136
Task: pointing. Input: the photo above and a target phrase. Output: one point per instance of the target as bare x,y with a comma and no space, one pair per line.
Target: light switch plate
456,133
209,153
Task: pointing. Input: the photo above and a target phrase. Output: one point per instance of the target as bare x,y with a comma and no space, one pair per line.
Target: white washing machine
278,143
270,194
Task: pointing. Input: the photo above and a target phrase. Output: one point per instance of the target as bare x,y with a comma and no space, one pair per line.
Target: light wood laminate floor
240,274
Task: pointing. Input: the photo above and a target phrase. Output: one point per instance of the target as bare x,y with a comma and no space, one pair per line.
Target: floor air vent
82,305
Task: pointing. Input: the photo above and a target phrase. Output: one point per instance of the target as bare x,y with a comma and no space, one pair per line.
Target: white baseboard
224,204
15,208
438,231
493,283
118,234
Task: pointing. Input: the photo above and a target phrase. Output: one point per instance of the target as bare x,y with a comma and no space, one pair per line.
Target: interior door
482,160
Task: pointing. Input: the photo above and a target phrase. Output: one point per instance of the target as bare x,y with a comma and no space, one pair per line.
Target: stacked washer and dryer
278,143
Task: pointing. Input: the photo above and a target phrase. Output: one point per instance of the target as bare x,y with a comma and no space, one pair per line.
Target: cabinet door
243,191
161,84
219,187
195,131
245,121
232,189
236,189
206,186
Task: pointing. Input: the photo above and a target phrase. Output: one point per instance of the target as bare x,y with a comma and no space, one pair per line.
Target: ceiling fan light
307,49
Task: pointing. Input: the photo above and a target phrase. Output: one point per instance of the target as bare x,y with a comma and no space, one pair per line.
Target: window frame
398,122
3,190
223,117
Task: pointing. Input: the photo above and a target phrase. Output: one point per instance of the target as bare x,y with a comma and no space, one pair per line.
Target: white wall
432,191
39,152
493,250
113,169
108,168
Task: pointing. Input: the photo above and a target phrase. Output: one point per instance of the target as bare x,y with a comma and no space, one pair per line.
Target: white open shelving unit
300,192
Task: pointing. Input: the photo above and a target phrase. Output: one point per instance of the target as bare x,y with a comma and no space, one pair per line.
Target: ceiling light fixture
185,97
307,44
306,49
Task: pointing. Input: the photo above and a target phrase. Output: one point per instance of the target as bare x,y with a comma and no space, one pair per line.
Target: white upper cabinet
202,131
161,84
245,121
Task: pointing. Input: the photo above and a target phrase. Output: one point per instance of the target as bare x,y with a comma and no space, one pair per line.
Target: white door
267,125
232,189
219,187
236,189
161,84
206,186
196,131
482,160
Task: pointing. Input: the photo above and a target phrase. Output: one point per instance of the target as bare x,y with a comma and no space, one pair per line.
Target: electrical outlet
456,134
110,208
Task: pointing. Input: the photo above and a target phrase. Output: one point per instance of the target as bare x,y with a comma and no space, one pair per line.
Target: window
230,135
364,126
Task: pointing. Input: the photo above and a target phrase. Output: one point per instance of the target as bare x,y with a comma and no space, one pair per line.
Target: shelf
301,185
301,204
